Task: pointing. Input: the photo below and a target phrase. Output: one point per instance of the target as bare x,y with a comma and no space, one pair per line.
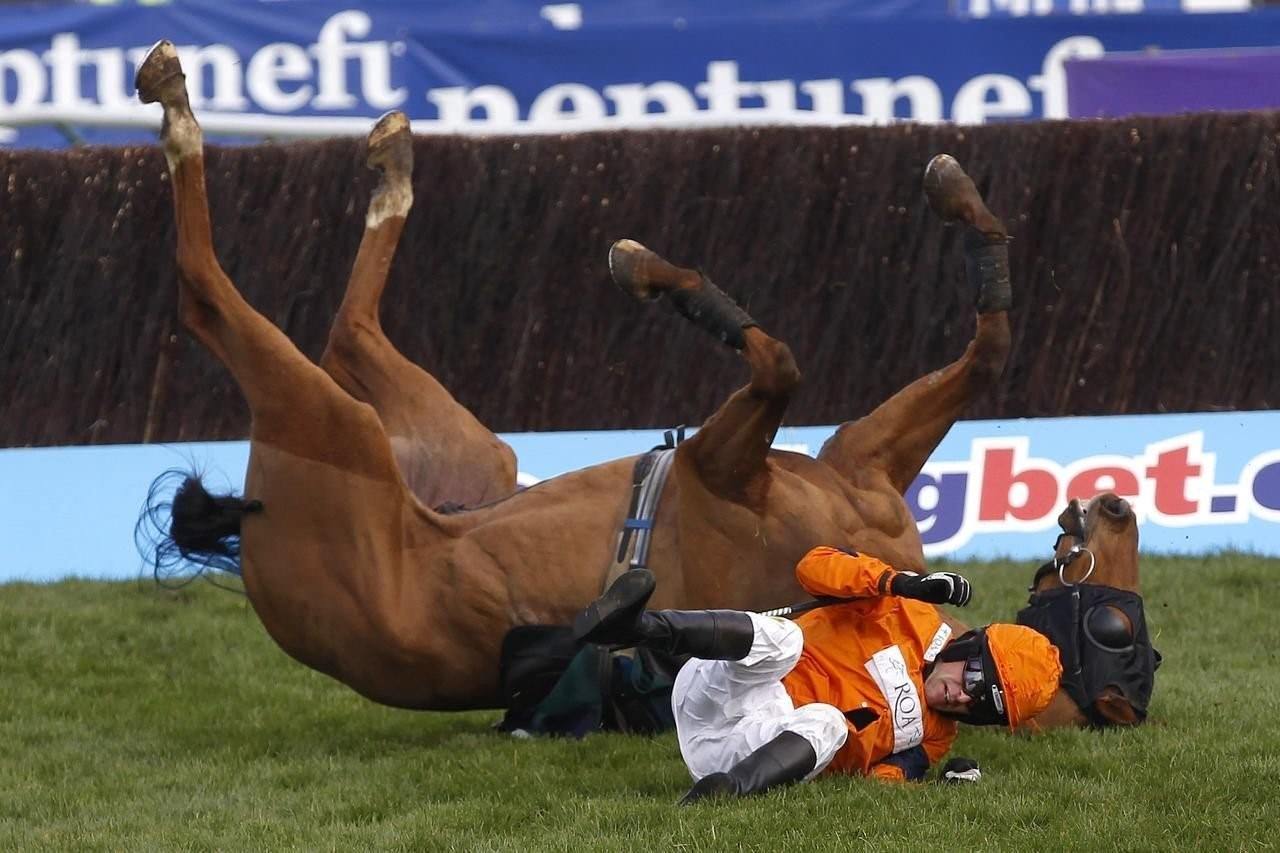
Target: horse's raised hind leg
444,453
730,449
295,406
898,436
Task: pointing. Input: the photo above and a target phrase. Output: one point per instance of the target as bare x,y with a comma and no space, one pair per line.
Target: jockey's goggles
975,677
981,682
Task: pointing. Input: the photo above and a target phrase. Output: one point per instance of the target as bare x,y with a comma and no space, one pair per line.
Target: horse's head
1098,545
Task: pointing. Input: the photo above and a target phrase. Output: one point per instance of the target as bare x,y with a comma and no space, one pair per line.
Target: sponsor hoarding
1198,482
295,68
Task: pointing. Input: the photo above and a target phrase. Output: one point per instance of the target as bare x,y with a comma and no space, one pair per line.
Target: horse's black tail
193,531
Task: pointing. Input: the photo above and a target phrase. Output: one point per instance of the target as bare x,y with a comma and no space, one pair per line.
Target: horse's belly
811,508
731,555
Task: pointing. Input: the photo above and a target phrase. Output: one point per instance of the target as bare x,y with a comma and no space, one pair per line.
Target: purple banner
1170,82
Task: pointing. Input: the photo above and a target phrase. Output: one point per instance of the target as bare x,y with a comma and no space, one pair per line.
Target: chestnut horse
354,574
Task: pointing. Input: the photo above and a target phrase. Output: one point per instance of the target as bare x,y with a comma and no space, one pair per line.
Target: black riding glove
936,588
960,770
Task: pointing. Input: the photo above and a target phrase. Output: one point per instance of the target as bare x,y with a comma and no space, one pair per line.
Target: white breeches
725,710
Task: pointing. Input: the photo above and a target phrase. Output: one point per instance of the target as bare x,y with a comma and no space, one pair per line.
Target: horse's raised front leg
445,455
730,449
899,435
729,545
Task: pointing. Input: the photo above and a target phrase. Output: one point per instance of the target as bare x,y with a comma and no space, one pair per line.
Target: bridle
1061,563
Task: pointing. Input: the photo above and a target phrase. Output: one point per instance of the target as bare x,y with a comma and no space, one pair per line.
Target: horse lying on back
352,571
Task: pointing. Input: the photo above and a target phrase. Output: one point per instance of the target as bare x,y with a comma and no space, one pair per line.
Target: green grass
142,719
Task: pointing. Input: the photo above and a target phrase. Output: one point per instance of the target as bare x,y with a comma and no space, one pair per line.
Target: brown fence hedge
1145,262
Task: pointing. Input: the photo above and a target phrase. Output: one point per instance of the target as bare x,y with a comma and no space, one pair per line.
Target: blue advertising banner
294,68
1198,483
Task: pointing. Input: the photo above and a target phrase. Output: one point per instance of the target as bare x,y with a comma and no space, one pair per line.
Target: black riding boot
618,618
706,634
785,759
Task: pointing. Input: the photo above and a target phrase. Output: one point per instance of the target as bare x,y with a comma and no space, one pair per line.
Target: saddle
552,685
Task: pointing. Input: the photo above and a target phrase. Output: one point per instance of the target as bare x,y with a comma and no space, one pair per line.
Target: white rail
313,127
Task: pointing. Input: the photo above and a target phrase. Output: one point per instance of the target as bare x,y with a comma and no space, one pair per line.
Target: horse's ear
1115,709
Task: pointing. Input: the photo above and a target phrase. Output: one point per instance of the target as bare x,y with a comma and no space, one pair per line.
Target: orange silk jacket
867,658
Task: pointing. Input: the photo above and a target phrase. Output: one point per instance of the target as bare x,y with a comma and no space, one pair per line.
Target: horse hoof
644,274
391,144
628,262
954,198
160,76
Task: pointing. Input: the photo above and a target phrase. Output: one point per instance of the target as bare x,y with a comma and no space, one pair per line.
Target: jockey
871,686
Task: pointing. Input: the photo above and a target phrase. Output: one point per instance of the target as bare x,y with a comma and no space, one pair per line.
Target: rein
803,606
